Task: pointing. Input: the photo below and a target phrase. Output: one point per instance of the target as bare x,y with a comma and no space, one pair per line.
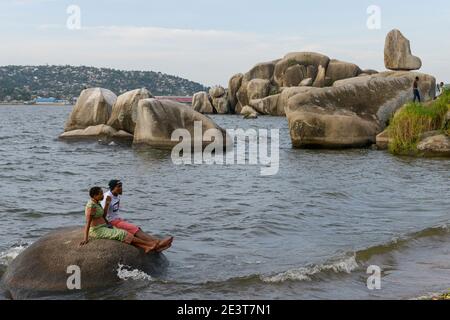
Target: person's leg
147,246
133,229
144,236
417,96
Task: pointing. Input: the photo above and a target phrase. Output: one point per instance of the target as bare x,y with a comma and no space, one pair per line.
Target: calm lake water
309,232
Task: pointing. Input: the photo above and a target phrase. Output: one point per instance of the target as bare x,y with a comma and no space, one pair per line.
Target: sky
209,41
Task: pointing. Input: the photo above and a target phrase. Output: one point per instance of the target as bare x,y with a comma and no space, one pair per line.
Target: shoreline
35,104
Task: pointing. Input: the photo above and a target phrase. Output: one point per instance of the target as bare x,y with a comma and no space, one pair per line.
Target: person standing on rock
97,227
416,90
111,206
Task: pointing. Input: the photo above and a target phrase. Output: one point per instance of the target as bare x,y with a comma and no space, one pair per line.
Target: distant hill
24,83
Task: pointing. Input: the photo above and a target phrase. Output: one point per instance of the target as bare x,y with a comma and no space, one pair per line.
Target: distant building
185,100
51,100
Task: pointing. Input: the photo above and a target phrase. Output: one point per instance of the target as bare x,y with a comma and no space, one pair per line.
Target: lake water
309,232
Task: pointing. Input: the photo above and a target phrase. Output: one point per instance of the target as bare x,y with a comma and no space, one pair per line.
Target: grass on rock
414,119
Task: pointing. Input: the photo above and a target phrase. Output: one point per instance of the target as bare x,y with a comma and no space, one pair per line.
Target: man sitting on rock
111,205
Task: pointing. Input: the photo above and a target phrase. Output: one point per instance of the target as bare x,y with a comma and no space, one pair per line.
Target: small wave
399,242
347,265
125,273
9,255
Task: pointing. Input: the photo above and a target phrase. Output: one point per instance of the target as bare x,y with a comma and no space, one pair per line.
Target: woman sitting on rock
97,227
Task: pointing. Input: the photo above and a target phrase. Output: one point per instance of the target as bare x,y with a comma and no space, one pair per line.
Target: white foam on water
124,273
9,255
304,274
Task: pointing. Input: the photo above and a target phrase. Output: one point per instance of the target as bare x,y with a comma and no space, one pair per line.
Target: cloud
207,56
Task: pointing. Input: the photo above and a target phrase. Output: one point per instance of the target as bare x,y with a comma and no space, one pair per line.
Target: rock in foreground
42,268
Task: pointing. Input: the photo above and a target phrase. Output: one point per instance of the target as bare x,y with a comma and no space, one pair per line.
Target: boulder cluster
266,87
328,103
135,117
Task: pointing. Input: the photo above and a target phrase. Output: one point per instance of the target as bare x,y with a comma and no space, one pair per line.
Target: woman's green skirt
103,232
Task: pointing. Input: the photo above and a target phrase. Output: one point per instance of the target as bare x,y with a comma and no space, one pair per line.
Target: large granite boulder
201,103
315,127
233,86
242,97
294,75
249,113
397,53
158,119
267,106
315,64
261,71
338,70
258,89
393,89
435,146
221,105
353,111
42,269
93,107
285,95
123,115
217,92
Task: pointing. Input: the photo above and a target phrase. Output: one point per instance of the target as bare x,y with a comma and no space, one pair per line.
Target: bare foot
165,244
151,248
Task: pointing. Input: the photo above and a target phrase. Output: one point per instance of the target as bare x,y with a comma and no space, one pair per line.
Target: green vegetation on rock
413,120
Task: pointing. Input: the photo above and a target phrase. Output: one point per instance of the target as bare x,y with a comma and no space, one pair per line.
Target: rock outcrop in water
249,113
352,112
150,123
397,53
262,87
42,269
158,119
436,145
101,132
123,115
219,100
93,108
201,103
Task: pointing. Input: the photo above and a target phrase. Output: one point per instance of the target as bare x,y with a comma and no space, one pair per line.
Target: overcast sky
208,41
